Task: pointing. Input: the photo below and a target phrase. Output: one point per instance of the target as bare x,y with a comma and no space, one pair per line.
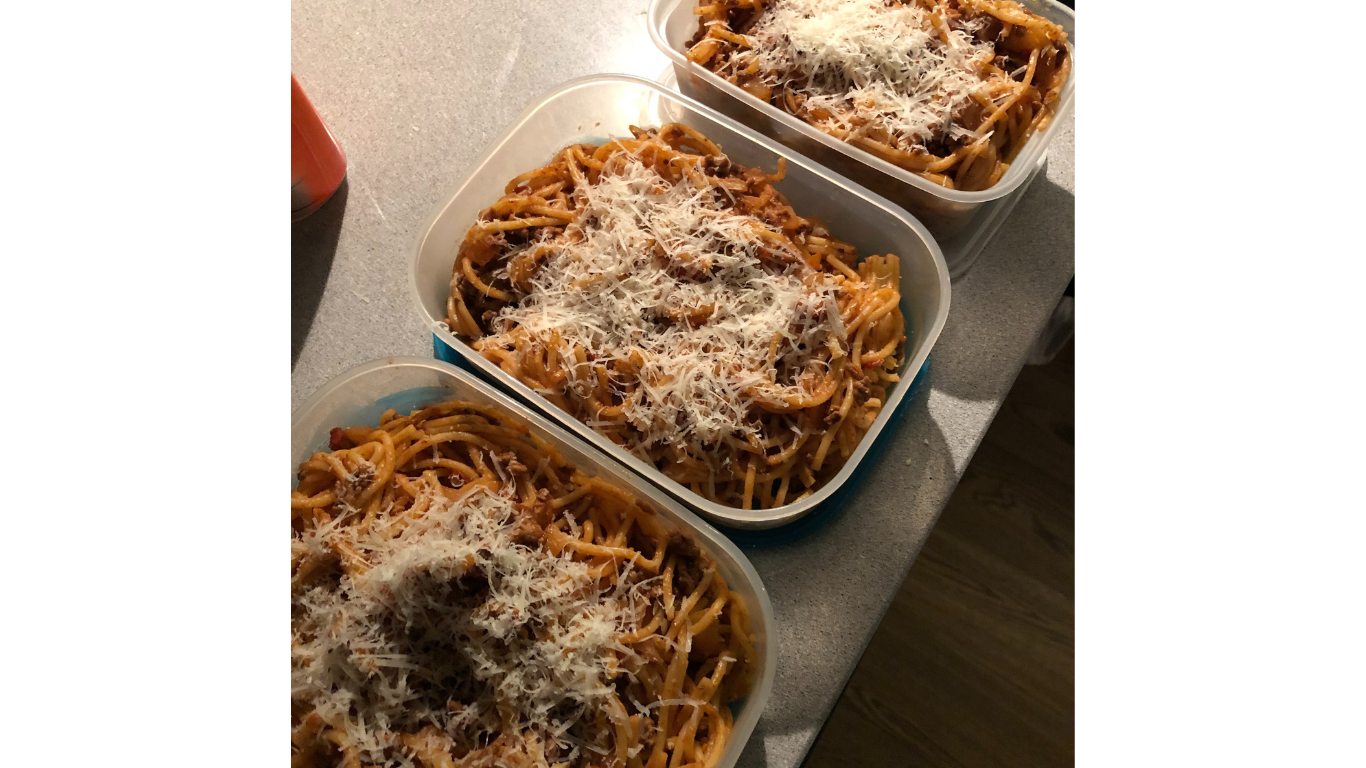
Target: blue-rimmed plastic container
599,108
361,394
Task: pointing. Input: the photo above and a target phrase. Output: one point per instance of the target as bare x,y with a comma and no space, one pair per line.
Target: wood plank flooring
973,665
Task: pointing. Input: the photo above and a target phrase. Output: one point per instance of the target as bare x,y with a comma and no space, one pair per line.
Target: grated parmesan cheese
453,610
863,65
664,275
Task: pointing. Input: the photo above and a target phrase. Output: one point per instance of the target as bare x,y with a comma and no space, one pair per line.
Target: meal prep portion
462,595
676,303
947,89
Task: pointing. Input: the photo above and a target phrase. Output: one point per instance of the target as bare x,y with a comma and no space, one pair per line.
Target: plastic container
361,394
597,108
952,215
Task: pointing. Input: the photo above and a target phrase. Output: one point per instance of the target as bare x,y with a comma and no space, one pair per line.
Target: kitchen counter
415,91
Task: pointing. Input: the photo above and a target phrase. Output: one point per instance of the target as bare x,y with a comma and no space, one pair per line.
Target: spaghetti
674,302
464,596
948,89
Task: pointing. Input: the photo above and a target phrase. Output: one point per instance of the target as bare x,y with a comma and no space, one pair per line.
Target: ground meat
530,530
509,460
338,439
688,571
528,533
682,544
647,733
716,165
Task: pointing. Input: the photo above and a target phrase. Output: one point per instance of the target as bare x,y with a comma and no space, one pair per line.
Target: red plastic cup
317,162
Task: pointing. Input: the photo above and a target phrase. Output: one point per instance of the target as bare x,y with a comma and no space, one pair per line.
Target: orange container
317,162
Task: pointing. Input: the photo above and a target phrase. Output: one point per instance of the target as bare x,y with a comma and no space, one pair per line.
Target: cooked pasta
674,302
947,89
464,596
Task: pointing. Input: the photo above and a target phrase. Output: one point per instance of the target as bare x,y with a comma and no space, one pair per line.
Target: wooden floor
973,664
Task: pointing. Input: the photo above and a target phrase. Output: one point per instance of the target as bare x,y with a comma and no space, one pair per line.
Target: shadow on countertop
1000,285
313,244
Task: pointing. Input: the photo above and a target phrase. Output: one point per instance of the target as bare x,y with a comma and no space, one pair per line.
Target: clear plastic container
361,394
949,214
598,108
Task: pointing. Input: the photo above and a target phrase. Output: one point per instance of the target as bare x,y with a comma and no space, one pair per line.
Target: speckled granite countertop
414,92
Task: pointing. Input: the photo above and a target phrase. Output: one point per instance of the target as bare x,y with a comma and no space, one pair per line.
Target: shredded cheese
450,610
862,65
690,293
